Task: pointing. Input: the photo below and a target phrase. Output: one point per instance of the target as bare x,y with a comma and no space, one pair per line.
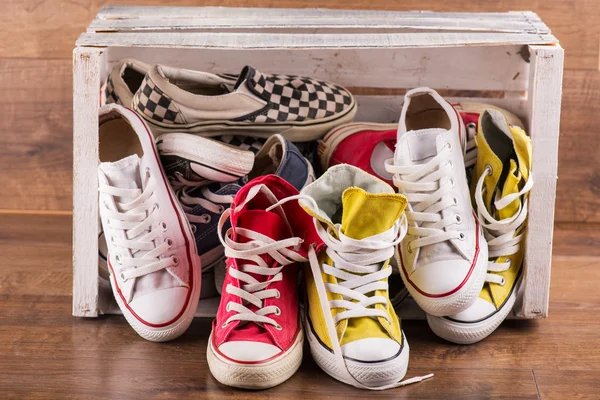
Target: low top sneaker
501,183
123,81
256,104
444,256
257,338
352,328
368,145
152,260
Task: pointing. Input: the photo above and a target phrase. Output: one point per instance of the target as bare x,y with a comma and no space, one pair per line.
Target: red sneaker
368,145
256,340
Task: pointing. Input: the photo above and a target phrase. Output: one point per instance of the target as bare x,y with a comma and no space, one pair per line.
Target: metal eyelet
410,250
227,308
503,281
449,146
194,229
461,236
207,218
489,168
122,276
455,201
221,209
169,242
156,206
163,225
452,182
224,325
277,311
450,164
458,219
118,259
112,239
472,125
147,172
278,327
277,295
175,260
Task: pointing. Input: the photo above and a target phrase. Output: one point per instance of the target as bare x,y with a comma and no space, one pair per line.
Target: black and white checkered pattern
155,104
295,98
243,142
110,94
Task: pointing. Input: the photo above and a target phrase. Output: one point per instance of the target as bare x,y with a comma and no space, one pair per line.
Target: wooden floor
46,353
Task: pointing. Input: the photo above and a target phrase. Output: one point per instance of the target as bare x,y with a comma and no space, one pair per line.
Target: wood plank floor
47,354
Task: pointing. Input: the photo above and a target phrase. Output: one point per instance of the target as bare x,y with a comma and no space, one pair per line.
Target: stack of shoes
207,188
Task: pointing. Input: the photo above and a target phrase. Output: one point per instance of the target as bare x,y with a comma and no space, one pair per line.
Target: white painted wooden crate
508,59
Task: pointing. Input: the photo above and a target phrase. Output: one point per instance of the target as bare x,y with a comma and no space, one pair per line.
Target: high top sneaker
501,183
444,255
256,340
353,330
152,260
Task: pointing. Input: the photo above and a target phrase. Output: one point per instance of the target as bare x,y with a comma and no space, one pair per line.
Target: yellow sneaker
500,187
353,330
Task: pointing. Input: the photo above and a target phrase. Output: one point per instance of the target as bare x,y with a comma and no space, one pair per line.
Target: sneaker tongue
418,147
244,75
365,214
123,174
264,222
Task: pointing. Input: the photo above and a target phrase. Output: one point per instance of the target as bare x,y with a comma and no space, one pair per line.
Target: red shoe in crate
256,340
368,145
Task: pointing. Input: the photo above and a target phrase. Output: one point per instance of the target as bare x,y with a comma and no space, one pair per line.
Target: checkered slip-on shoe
256,104
123,81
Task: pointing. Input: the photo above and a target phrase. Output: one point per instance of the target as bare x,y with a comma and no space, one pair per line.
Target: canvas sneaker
444,256
501,183
256,104
151,253
257,338
123,81
207,174
352,328
368,145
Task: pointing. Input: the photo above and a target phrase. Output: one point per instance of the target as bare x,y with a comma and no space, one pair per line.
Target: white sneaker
444,255
152,260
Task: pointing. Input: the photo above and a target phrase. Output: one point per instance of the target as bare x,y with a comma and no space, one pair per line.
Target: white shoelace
500,234
357,267
139,219
184,186
251,290
428,197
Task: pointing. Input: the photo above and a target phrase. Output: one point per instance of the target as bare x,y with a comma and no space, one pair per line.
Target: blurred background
36,42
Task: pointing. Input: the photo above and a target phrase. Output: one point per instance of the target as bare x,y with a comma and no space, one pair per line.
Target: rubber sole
368,374
304,131
211,159
173,330
469,333
461,299
256,376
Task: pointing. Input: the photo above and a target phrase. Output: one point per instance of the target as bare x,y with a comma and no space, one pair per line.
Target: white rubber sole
173,330
212,159
340,133
469,333
368,374
461,299
304,131
256,376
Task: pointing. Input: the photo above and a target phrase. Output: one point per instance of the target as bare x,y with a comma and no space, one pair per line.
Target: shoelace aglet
415,379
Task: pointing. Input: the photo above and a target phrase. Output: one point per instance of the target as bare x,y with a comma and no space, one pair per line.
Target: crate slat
501,68
118,18
244,40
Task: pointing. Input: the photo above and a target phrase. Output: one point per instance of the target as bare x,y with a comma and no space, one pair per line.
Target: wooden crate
507,59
